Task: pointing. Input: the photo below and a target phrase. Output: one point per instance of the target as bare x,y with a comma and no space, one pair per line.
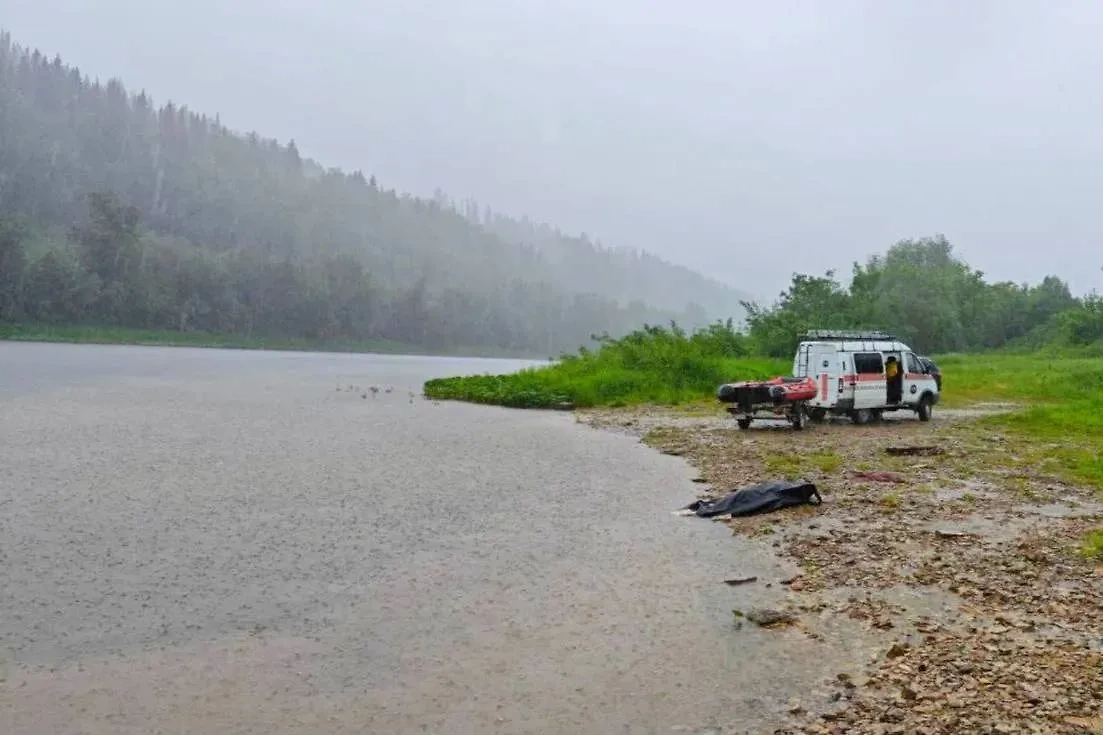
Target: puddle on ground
988,527
1067,508
1059,634
963,488
821,526
976,410
915,602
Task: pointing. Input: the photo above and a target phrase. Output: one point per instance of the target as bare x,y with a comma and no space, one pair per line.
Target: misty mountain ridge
191,177
633,274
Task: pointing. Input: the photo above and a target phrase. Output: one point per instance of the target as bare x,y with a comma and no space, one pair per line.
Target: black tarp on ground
761,498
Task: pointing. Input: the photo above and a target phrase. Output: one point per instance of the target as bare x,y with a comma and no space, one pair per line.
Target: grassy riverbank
1059,392
163,338
987,552
1060,399
651,366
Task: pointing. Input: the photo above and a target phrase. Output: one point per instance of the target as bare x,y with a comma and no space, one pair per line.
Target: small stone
897,650
768,618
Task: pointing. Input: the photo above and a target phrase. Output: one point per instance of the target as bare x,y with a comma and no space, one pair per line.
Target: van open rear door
824,366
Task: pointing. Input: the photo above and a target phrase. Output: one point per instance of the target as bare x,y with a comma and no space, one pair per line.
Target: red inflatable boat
782,397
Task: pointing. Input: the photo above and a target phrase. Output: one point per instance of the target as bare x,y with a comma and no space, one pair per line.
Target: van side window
868,362
913,365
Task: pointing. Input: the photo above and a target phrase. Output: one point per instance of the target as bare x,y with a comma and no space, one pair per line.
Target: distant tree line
920,291
107,271
119,212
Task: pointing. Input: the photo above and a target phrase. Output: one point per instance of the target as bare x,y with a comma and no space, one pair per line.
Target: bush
652,365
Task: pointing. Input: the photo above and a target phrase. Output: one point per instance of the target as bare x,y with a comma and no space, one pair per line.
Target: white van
851,370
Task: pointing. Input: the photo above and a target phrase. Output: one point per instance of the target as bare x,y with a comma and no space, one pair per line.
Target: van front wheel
861,417
923,411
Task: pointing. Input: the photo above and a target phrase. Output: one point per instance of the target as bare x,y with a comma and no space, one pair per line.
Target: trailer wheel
743,423
817,415
924,409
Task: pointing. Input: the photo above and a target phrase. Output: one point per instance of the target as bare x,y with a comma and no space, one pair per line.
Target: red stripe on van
862,377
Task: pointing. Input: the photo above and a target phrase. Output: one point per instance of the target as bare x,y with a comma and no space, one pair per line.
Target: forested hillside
622,274
117,212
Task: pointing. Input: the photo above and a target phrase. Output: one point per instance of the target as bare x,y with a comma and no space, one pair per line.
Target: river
241,541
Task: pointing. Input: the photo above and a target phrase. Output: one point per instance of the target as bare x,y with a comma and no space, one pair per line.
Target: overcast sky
745,139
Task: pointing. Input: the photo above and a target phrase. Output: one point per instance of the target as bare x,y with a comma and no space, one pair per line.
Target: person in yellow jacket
893,380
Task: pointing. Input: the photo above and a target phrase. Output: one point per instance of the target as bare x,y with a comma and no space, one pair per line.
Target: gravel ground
963,559
223,541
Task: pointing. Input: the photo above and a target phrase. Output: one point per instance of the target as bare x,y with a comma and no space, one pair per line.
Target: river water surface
209,541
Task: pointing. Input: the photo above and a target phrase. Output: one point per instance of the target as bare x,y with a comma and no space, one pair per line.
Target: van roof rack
848,334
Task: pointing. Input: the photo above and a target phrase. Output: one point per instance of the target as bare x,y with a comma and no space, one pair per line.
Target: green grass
793,466
1092,545
786,465
653,366
826,462
1060,398
890,502
1053,376
1058,394
165,338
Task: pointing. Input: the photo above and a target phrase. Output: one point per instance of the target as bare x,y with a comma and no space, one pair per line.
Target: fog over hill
745,140
118,211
